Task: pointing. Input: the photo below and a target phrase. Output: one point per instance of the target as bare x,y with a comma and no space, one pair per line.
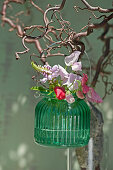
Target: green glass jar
61,124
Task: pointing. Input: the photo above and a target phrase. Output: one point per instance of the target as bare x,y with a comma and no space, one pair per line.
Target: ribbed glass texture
60,124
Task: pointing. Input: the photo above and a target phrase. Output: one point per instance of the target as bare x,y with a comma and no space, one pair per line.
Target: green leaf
40,88
68,92
35,88
79,83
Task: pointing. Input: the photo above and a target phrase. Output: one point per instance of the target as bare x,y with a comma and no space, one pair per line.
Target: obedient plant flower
56,71
53,73
42,69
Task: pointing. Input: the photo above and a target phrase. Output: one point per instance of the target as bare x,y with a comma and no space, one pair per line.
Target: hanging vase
61,124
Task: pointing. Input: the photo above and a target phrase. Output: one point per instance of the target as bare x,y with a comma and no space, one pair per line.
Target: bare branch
37,7
93,26
55,38
22,52
101,10
53,9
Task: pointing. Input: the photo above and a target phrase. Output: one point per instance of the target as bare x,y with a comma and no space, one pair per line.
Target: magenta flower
92,96
85,88
84,79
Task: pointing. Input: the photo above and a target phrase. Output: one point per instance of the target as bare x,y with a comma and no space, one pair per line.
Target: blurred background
18,151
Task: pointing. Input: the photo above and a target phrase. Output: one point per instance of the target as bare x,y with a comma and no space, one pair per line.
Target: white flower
63,73
71,59
77,66
43,80
71,81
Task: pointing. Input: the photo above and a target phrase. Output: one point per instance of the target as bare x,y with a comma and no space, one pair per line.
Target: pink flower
70,98
85,88
80,94
60,92
92,96
84,79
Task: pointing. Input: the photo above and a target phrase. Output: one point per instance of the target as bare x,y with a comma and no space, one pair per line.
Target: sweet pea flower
60,92
92,96
62,72
71,59
77,66
80,94
84,79
85,88
71,82
70,98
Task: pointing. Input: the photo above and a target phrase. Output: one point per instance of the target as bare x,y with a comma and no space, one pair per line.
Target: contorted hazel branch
64,36
99,9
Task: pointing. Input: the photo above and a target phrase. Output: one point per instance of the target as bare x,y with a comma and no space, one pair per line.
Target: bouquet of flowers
62,85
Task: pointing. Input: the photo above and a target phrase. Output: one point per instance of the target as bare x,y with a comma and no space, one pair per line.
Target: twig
101,10
22,52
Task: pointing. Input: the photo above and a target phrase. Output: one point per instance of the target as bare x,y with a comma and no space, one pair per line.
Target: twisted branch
56,38
99,9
